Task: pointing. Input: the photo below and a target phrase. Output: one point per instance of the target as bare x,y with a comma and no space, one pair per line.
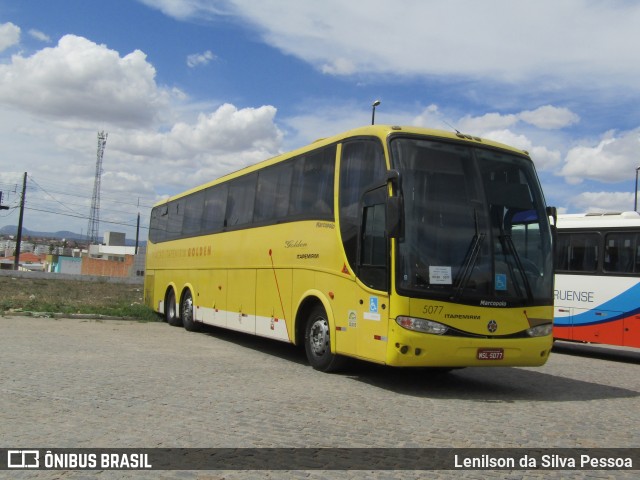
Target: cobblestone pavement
67,383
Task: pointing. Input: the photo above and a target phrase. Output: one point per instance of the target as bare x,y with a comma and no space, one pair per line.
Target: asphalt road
70,383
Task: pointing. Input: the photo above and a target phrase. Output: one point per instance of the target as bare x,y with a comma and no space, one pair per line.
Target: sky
189,90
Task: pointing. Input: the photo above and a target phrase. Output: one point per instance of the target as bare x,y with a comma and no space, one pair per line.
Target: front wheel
317,343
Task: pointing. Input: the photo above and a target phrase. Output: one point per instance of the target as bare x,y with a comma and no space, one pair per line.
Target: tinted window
158,223
272,200
362,166
577,252
215,207
312,184
240,200
192,221
174,222
620,252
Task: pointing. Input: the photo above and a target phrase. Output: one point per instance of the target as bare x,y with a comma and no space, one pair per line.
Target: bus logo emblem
492,326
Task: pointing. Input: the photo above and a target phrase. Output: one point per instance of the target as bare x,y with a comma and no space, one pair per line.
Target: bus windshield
475,225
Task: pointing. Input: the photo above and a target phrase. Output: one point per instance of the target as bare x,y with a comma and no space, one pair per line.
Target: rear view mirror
394,217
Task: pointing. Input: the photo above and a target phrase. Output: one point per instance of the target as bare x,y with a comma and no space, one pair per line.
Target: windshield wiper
511,248
470,260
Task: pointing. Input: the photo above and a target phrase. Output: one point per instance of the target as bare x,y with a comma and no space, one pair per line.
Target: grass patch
73,296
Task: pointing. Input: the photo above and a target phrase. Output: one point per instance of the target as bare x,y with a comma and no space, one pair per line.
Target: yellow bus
396,245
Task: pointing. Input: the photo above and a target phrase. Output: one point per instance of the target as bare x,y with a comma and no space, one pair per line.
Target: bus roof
380,131
599,220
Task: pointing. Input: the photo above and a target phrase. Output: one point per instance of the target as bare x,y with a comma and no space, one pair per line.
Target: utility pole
16,260
137,232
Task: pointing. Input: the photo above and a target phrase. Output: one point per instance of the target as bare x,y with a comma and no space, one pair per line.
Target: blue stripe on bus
628,303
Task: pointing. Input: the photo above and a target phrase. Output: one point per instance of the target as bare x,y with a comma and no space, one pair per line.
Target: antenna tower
94,217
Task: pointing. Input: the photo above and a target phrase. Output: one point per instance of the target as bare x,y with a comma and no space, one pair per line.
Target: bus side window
192,221
312,185
372,265
215,206
240,201
175,217
362,165
619,252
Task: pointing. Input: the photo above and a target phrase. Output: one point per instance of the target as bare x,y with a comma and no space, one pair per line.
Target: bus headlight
540,330
422,325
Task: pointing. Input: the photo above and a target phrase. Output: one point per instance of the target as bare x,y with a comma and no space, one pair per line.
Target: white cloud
487,122
339,66
225,131
501,40
186,9
79,79
38,35
613,159
199,59
55,100
9,35
543,158
604,201
549,117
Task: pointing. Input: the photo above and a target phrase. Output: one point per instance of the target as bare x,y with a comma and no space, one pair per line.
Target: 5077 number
432,309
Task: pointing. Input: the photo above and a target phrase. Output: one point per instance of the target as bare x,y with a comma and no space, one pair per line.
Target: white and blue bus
597,282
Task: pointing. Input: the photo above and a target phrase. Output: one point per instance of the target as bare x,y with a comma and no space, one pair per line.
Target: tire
171,310
317,342
186,312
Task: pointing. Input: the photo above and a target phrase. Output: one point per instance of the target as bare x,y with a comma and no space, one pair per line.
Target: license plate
490,354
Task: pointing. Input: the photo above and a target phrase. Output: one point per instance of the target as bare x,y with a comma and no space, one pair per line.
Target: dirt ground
19,293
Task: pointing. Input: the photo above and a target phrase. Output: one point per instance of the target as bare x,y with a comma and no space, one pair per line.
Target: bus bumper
414,349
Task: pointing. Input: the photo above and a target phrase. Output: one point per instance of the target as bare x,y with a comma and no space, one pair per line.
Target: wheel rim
319,337
187,308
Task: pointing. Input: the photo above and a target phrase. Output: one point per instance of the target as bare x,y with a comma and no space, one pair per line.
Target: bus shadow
602,352
275,348
495,384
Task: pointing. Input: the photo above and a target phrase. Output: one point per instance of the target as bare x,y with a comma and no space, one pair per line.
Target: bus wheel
317,343
171,309
187,313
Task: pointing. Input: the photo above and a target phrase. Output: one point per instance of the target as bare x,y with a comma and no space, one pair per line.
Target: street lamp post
373,111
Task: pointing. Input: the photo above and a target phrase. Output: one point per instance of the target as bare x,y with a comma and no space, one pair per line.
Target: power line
51,196
66,204
83,217
88,195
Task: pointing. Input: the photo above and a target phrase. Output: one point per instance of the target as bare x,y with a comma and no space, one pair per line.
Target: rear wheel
186,310
171,309
317,343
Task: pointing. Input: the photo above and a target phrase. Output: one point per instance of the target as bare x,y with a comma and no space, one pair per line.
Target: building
113,258
27,262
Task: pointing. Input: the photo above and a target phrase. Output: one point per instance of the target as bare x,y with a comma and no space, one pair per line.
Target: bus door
373,271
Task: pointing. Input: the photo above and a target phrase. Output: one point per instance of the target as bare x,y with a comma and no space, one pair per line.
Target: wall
107,268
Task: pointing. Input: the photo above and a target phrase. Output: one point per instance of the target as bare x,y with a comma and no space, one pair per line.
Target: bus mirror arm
393,177
394,206
552,213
